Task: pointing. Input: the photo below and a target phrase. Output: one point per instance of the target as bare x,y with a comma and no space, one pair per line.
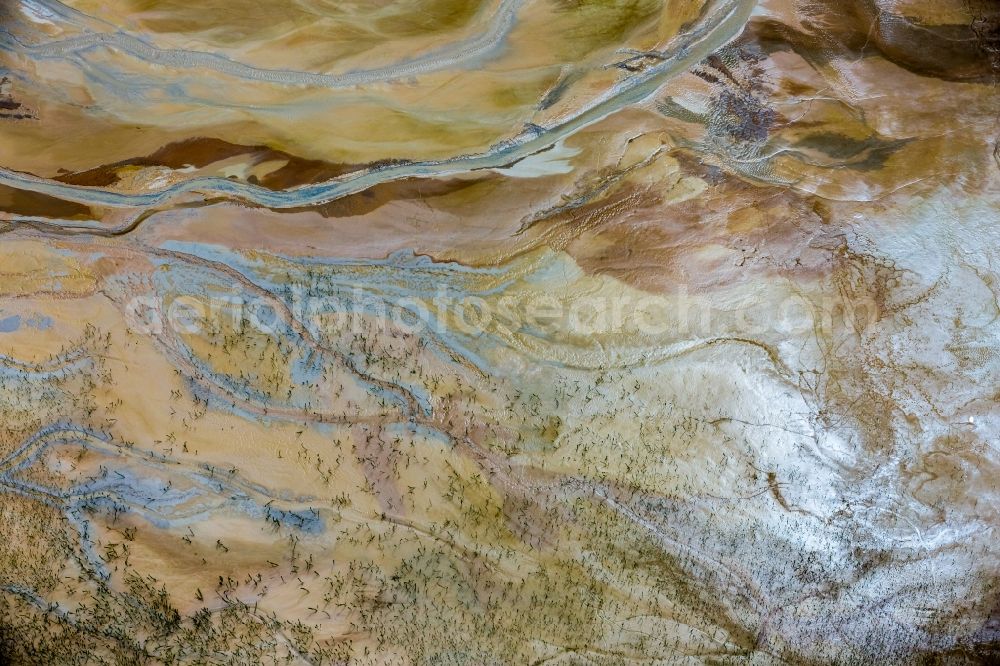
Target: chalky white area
501,332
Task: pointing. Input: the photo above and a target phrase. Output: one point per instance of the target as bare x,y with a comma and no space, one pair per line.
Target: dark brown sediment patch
22,202
196,152
299,171
102,176
834,29
409,189
200,152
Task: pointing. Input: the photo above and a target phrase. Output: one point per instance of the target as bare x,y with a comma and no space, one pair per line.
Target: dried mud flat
500,332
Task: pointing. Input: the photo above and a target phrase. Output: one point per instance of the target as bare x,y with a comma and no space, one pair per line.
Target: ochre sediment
501,332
